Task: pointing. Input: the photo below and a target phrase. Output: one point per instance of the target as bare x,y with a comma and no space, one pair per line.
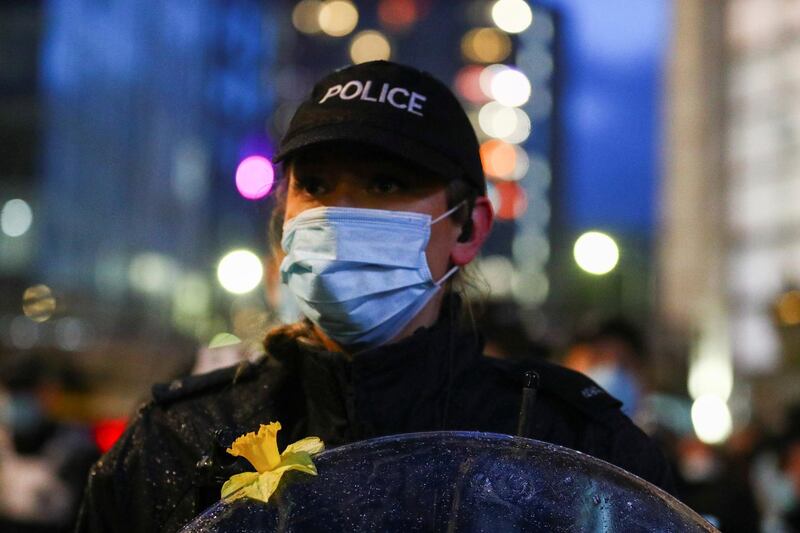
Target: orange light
788,308
499,158
398,15
485,45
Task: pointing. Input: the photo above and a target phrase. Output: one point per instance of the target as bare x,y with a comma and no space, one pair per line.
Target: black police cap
396,108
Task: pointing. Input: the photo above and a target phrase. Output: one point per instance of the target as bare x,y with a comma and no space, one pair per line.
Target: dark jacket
170,463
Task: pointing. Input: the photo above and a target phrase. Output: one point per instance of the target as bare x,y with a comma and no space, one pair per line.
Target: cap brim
396,144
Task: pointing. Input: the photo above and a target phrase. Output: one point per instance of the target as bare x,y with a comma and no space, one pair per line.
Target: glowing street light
16,217
596,253
370,45
512,16
711,419
240,271
338,18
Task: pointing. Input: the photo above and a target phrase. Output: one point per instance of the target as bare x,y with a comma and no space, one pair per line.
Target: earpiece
466,231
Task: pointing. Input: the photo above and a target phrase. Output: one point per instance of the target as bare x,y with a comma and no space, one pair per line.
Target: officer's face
368,179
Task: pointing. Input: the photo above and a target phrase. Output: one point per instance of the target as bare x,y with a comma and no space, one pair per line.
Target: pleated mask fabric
361,275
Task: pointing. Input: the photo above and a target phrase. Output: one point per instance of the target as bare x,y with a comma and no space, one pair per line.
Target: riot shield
456,482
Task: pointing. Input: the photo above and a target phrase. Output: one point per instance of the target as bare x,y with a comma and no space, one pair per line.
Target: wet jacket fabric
170,463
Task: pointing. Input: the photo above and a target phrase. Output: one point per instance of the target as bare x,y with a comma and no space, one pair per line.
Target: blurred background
644,164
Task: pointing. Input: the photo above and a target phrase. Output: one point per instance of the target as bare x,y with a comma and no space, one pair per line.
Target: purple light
254,177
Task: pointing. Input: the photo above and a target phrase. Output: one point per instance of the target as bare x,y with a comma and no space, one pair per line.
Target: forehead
360,160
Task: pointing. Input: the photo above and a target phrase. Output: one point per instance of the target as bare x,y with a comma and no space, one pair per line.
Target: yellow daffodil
261,450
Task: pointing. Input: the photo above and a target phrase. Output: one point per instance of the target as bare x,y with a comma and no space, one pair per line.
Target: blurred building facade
730,253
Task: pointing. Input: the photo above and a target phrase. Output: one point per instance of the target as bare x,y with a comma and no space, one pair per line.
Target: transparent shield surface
456,481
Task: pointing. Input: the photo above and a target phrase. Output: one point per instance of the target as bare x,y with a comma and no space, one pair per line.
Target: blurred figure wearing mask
611,354
382,206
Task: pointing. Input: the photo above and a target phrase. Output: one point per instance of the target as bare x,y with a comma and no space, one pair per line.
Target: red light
398,15
107,432
468,84
512,199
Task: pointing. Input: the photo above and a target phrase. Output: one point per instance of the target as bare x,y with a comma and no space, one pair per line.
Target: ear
482,217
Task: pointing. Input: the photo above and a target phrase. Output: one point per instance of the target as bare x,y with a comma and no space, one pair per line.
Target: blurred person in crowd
383,205
43,462
612,353
505,335
714,480
776,478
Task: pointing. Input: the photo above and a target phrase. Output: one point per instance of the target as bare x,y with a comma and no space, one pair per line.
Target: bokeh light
239,271
487,75
788,308
596,253
539,172
536,62
510,87
485,45
23,332
497,270
468,85
255,177
398,15
530,286
338,18
191,296
531,247
522,128
709,372
38,303
16,217
497,120
711,419
152,273
71,333
305,16
511,200
498,158
512,16
522,162
369,45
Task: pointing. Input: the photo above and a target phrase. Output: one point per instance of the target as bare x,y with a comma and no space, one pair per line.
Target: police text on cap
398,97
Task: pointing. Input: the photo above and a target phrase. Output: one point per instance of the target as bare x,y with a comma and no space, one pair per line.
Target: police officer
383,204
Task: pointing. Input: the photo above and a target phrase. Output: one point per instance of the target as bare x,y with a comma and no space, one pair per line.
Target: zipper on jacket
529,389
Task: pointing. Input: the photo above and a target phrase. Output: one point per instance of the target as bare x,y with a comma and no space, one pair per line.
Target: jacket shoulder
216,381
568,386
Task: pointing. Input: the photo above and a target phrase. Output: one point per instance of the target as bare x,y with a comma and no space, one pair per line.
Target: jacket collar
394,388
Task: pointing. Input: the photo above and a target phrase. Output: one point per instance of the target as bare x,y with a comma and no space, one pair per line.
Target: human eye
311,184
386,184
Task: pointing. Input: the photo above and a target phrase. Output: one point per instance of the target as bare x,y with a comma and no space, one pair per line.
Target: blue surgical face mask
619,383
360,275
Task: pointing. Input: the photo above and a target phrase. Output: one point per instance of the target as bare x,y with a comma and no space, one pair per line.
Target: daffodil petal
260,449
270,441
298,461
233,488
310,445
268,482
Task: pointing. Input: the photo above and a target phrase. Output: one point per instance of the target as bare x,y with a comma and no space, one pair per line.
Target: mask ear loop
447,275
448,212
444,215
